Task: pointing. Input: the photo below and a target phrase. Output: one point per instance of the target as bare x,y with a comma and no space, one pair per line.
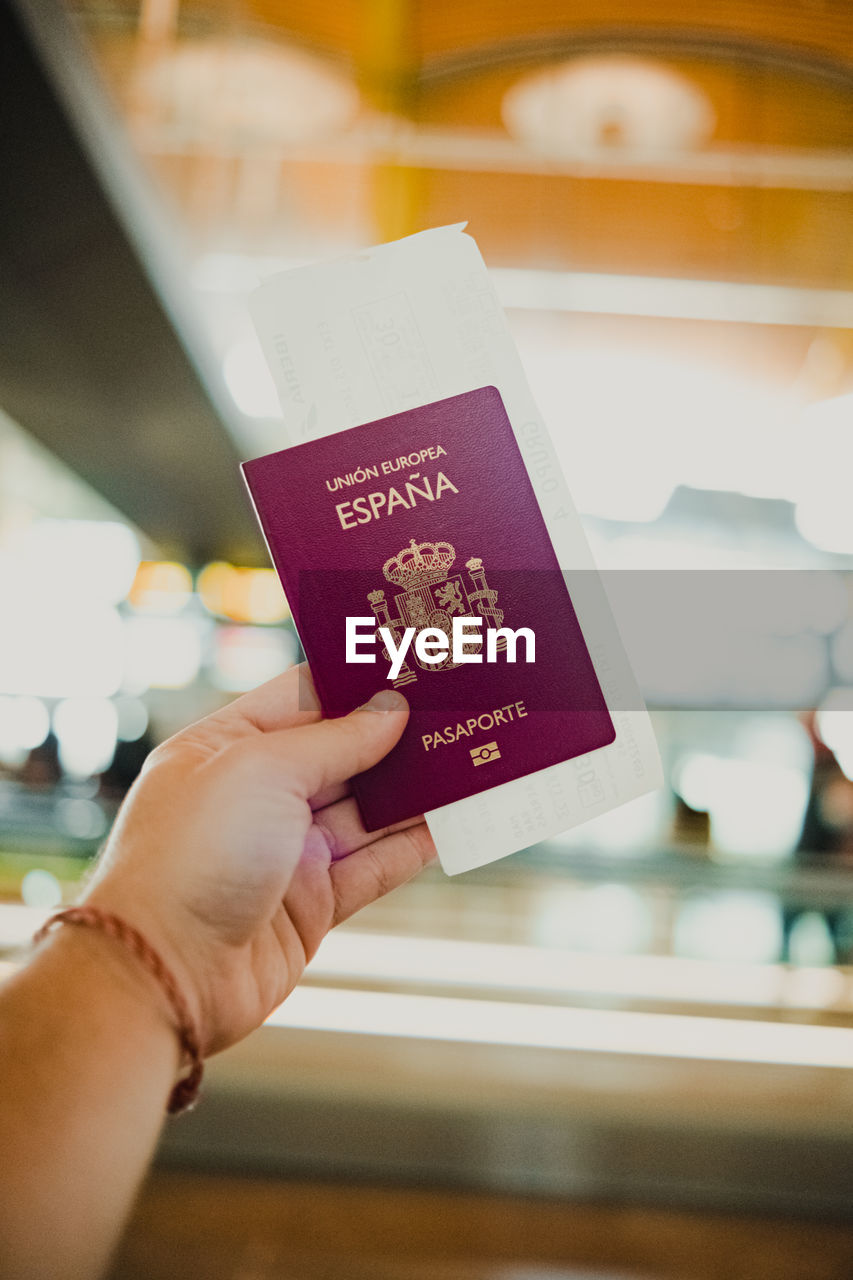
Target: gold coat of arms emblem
429,596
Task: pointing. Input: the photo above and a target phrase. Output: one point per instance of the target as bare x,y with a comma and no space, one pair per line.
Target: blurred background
624,1053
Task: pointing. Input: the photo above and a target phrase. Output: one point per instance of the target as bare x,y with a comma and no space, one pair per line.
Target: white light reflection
811,942
835,726
79,656
756,807
662,297
41,889
132,718
824,511
580,292
24,724
611,99
248,656
162,653
515,968
59,582
86,731
628,829
252,93
499,1022
735,926
249,380
630,426
609,918
71,561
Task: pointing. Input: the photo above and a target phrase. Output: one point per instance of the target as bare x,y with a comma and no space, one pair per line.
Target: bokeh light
86,731
160,586
41,889
162,653
244,595
24,724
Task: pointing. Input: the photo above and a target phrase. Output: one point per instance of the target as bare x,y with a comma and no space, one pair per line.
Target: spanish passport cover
408,522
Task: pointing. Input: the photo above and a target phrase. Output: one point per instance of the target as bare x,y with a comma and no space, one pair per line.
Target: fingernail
385,700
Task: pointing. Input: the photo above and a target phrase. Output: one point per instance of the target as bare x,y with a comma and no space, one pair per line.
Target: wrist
117,930
174,941
128,1000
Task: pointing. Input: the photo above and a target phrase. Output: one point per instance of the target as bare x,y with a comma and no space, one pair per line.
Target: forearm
218,860
87,1059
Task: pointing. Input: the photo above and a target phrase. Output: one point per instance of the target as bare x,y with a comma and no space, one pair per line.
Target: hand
239,847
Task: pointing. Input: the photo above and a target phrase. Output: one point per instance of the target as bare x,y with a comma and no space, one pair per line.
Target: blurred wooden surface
503,1119
225,1228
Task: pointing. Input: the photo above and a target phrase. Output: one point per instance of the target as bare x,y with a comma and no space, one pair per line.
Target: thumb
319,755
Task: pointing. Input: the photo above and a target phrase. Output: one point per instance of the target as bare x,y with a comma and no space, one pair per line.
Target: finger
317,756
378,868
285,702
330,795
343,830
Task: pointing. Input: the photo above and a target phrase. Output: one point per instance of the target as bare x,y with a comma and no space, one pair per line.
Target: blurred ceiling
93,361
624,155
426,34
760,191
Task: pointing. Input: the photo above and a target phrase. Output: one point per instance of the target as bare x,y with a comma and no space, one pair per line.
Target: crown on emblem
419,564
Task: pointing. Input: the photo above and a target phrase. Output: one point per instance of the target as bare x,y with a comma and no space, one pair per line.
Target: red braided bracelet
185,1092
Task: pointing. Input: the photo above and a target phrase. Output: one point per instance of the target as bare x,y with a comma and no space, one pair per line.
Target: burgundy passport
411,521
